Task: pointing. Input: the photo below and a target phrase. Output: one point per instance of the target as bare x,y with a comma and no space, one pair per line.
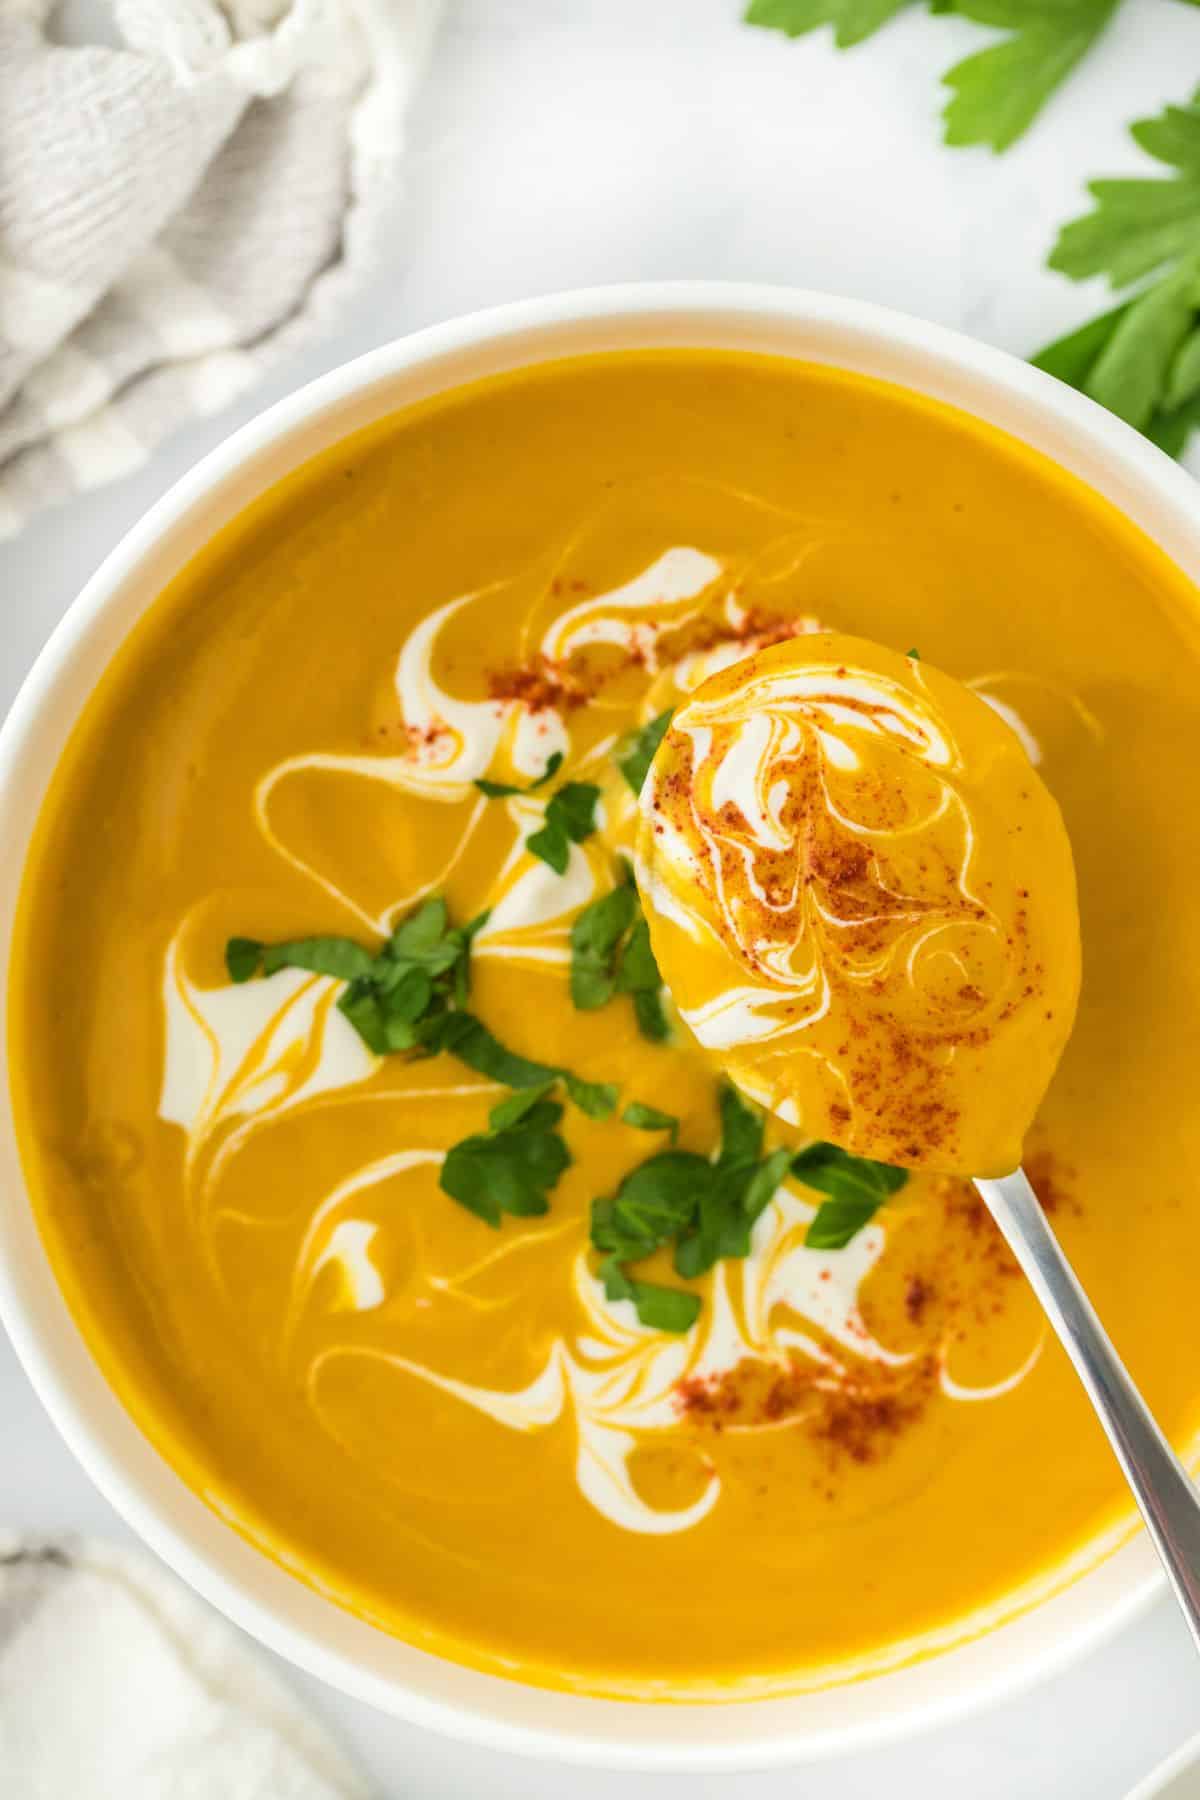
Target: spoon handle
1161,1485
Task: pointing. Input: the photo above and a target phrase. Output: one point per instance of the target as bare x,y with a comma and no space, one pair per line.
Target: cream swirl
855,882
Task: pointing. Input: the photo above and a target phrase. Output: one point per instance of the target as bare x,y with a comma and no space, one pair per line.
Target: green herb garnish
649,1118
857,1188
511,1167
611,954
464,1036
740,1185
659,1308
705,1208
635,752
570,819
422,969
500,790
570,814
412,995
1141,359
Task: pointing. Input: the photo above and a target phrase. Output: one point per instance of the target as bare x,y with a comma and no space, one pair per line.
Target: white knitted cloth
117,1684
174,211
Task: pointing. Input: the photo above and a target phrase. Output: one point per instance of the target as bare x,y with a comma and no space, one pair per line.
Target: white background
557,143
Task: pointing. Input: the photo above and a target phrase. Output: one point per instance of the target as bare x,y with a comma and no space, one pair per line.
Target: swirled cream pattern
244,1062
862,895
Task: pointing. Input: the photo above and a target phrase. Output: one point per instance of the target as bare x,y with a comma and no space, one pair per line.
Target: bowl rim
600,1732
1158,1783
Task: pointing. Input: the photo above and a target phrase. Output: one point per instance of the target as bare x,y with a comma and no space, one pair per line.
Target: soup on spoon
861,896
863,900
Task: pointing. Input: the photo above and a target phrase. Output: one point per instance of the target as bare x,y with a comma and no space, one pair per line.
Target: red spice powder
857,1415
542,683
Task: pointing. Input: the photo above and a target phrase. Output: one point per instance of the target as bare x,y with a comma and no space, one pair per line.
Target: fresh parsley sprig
1141,359
997,92
611,955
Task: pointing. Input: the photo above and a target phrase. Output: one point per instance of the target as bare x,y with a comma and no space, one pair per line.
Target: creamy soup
861,896
394,1193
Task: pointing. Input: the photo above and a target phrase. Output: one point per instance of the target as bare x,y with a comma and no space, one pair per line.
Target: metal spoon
1161,1485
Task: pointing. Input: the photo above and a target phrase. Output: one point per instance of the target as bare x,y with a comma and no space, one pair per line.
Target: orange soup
385,1177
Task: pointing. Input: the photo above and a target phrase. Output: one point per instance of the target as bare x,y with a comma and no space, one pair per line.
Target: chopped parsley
500,790
570,819
512,1166
649,1118
394,994
412,995
635,752
611,954
658,1307
856,1187
705,1208
570,814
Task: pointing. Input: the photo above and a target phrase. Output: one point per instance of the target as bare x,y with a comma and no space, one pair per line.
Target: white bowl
260,1595
1176,1779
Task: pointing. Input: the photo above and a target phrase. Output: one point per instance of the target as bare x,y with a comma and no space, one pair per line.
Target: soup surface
861,896
368,1317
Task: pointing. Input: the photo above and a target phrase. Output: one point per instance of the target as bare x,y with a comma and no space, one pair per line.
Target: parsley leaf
659,1308
611,954
598,1099
243,958
654,1202
337,956
570,819
412,995
741,1128
512,1166
738,1188
998,92
706,1207
418,972
857,1188
1138,224
596,935
499,790
635,752
1141,359
649,1118
468,1038
852,20
462,1035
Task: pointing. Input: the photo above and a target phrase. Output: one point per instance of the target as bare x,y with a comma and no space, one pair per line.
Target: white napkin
117,1684
174,212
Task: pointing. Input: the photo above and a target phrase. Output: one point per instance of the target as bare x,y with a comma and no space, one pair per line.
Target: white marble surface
564,142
